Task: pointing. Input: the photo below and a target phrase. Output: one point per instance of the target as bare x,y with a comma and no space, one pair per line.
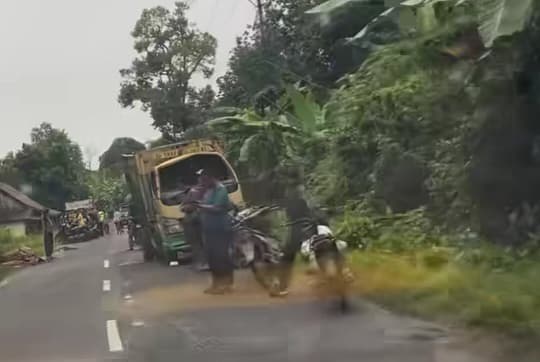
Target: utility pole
262,27
259,4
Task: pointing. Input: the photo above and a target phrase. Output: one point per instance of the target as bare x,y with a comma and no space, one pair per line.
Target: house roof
20,197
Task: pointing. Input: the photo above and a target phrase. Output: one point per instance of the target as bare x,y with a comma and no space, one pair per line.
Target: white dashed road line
137,323
113,337
3,283
106,285
106,264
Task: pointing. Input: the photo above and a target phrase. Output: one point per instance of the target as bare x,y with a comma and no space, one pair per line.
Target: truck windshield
176,179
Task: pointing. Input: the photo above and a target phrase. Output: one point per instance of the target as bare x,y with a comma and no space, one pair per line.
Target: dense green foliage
421,122
107,189
287,47
50,167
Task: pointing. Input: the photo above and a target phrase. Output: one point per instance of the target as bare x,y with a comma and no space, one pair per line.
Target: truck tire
149,252
166,258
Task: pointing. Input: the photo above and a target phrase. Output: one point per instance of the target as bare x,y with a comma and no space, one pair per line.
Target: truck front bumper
176,247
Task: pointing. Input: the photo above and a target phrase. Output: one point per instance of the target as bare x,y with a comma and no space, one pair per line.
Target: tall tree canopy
291,46
171,51
112,158
106,189
52,164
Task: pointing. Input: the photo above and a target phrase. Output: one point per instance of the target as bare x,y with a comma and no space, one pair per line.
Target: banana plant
260,142
498,18
306,113
495,18
280,136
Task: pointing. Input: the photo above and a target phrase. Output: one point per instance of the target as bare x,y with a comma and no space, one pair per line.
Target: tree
107,190
171,51
112,158
8,171
252,68
293,49
52,164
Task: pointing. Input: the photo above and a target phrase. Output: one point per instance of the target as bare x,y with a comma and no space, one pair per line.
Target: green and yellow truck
159,179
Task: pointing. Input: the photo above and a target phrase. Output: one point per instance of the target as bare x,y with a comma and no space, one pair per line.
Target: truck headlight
172,226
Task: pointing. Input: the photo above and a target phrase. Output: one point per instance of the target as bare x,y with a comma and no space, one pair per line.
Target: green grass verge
9,243
434,284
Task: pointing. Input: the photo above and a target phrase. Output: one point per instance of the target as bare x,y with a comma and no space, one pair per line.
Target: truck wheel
166,257
149,252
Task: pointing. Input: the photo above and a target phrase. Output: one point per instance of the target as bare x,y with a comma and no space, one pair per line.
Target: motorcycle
328,254
133,230
255,250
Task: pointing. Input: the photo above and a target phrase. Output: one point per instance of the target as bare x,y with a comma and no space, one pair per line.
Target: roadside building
19,213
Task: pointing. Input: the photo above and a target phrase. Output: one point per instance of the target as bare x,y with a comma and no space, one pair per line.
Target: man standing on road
296,208
192,224
116,219
48,237
101,222
217,232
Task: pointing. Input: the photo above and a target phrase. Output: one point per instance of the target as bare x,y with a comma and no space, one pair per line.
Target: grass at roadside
9,243
434,284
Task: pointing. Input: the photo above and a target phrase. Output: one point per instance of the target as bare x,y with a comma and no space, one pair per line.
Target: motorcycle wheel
335,280
260,273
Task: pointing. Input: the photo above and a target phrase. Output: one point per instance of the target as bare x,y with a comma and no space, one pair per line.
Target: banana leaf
502,17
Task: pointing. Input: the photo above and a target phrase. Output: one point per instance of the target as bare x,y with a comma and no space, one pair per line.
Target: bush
391,232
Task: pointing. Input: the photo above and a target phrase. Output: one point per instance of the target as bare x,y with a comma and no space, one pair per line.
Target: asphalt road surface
100,302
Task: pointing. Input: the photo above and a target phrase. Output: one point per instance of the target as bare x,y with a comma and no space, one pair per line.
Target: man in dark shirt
217,232
48,237
296,208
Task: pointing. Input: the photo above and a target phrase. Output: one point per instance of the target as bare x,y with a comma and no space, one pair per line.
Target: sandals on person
219,290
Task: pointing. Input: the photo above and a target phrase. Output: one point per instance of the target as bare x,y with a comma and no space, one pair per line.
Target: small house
19,213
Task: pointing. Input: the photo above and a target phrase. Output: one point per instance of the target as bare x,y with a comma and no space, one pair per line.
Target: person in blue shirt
217,232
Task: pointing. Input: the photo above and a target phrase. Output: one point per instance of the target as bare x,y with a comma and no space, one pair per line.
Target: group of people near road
208,227
83,218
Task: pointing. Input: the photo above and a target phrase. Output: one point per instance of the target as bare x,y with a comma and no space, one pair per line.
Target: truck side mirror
231,186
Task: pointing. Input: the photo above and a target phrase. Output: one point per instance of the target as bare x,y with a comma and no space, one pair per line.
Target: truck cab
160,179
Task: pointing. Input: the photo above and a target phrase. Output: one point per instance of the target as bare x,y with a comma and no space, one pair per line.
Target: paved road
101,303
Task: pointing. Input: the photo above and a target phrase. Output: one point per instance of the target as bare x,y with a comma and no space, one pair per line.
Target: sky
59,63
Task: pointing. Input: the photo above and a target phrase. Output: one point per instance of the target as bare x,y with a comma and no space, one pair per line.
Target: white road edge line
106,264
113,337
3,283
106,285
